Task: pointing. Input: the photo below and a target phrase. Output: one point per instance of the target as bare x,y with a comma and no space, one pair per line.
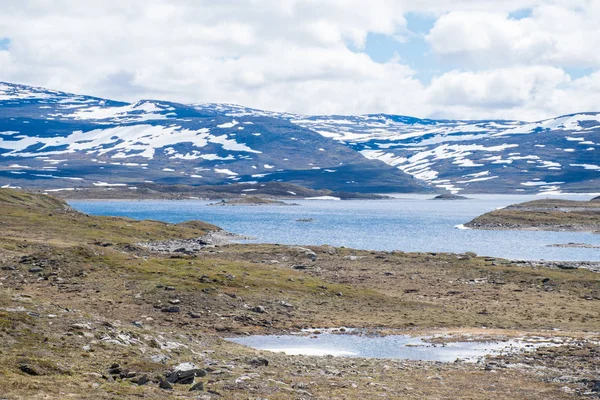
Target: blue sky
413,50
4,43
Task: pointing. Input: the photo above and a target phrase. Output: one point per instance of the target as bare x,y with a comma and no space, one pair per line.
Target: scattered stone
81,327
171,309
184,374
8,268
258,309
160,358
198,387
306,252
164,384
34,270
169,288
140,381
115,369
259,362
285,304
566,266
175,301
29,370
126,374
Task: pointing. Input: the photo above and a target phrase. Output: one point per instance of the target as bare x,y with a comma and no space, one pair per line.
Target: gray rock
164,384
171,309
306,252
259,362
34,270
142,380
160,358
81,327
114,369
184,374
286,304
198,387
258,309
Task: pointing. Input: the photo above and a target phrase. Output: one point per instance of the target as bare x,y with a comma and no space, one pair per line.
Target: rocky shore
194,245
547,214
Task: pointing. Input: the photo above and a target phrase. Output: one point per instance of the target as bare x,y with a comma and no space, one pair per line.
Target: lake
407,223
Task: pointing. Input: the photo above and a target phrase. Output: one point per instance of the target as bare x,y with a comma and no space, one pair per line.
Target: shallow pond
392,346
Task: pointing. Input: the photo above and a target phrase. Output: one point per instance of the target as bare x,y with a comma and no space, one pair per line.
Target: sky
457,59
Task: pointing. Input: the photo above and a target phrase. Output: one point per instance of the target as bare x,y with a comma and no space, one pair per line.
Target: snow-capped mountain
553,155
55,139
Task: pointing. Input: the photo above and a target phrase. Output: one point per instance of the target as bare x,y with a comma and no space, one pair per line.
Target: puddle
392,346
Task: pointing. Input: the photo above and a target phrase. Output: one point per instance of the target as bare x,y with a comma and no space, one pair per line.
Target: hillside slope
57,140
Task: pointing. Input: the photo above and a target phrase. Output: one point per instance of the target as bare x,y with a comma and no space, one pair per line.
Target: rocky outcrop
190,246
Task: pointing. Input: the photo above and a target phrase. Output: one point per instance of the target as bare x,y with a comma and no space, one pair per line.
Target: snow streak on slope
56,135
445,153
122,141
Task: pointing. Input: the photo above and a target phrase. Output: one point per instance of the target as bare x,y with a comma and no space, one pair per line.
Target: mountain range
56,140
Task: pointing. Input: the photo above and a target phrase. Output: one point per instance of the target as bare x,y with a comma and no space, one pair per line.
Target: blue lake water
410,223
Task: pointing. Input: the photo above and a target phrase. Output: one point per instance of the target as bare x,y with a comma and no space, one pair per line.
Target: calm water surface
411,223
393,346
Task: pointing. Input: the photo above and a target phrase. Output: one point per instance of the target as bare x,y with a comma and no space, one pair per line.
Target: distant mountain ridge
55,139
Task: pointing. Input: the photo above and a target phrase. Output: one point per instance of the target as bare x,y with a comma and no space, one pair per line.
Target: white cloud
509,91
293,55
560,35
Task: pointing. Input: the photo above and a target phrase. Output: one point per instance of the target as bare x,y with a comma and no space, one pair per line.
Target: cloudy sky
513,59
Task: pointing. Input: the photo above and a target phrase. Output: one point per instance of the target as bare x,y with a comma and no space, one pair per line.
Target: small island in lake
449,196
252,201
547,215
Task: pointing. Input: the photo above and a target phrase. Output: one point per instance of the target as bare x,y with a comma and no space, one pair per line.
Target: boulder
259,362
